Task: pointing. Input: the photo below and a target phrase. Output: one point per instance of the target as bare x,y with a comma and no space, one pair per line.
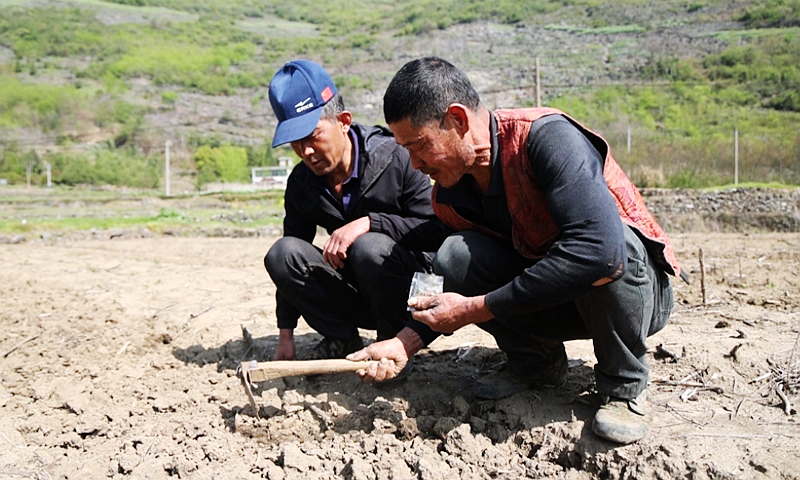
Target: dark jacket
396,198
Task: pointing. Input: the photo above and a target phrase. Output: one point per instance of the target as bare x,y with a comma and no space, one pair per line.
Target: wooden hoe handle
253,371
259,372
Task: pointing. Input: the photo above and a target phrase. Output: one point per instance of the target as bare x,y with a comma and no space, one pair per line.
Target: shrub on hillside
14,166
194,66
41,106
226,163
766,69
261,155
121,167
772,13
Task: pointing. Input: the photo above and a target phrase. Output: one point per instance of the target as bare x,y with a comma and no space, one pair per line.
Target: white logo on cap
304,105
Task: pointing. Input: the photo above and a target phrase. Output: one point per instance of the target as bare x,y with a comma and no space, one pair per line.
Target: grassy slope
682,102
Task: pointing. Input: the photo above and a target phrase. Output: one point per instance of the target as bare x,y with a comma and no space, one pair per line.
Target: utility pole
538,85
166,166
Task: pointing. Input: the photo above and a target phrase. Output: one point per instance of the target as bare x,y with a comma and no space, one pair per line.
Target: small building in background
274,177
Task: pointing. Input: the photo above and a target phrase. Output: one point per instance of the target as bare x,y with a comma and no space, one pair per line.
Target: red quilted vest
533,229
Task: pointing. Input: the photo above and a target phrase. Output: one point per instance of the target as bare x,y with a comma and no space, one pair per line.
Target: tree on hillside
226,163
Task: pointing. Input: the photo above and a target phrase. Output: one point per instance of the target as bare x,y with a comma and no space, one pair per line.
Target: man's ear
346,119
457,116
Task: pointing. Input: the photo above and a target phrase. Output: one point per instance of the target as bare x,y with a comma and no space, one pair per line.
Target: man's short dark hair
332,109
423,89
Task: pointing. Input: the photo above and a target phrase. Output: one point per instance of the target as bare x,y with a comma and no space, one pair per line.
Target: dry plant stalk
702,277
785,379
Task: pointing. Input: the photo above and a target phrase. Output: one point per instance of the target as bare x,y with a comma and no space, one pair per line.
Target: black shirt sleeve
294,225
414,226
591,245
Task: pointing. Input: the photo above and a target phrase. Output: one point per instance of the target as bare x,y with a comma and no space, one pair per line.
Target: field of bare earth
118,358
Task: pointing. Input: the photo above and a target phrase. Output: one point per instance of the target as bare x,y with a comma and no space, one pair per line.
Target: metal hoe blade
244,375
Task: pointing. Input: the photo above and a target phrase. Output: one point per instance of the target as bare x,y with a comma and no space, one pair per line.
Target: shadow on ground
434,400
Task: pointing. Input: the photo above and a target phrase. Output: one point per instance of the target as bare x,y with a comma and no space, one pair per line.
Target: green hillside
95,88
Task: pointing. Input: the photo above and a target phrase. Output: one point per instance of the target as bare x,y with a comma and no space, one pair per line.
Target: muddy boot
621,421
503,384
331,347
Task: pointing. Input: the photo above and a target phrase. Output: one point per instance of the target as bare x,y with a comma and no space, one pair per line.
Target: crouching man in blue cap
357,184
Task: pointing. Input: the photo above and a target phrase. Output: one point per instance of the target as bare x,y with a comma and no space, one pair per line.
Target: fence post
736,156
629,139
49,176
166,166
797,156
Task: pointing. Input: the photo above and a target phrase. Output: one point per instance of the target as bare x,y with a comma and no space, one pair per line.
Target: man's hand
392,356
286,345
334,252
447,312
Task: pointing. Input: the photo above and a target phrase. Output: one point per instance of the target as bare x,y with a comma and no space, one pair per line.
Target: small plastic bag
425,284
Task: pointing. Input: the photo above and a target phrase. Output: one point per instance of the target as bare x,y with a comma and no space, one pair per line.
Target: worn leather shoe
621,421
502,384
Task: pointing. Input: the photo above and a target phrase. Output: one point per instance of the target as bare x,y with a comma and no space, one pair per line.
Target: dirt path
117,360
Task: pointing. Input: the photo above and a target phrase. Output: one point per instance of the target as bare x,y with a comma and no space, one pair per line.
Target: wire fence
670,158
651,159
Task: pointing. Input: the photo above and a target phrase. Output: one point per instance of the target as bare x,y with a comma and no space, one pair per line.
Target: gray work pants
370,292
617,317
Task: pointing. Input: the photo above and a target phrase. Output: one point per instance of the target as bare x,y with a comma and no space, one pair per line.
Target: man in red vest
553,243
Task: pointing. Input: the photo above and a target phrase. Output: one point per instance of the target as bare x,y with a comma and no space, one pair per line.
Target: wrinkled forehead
406,133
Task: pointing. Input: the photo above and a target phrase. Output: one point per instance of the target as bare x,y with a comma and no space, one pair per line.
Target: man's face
323,149
435,150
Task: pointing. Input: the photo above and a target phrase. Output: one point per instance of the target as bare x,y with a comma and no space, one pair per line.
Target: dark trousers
617,317
370,292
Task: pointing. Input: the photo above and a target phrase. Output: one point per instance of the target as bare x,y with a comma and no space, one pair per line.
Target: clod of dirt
444,425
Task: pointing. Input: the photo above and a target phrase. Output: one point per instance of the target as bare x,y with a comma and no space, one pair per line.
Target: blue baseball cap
297,93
